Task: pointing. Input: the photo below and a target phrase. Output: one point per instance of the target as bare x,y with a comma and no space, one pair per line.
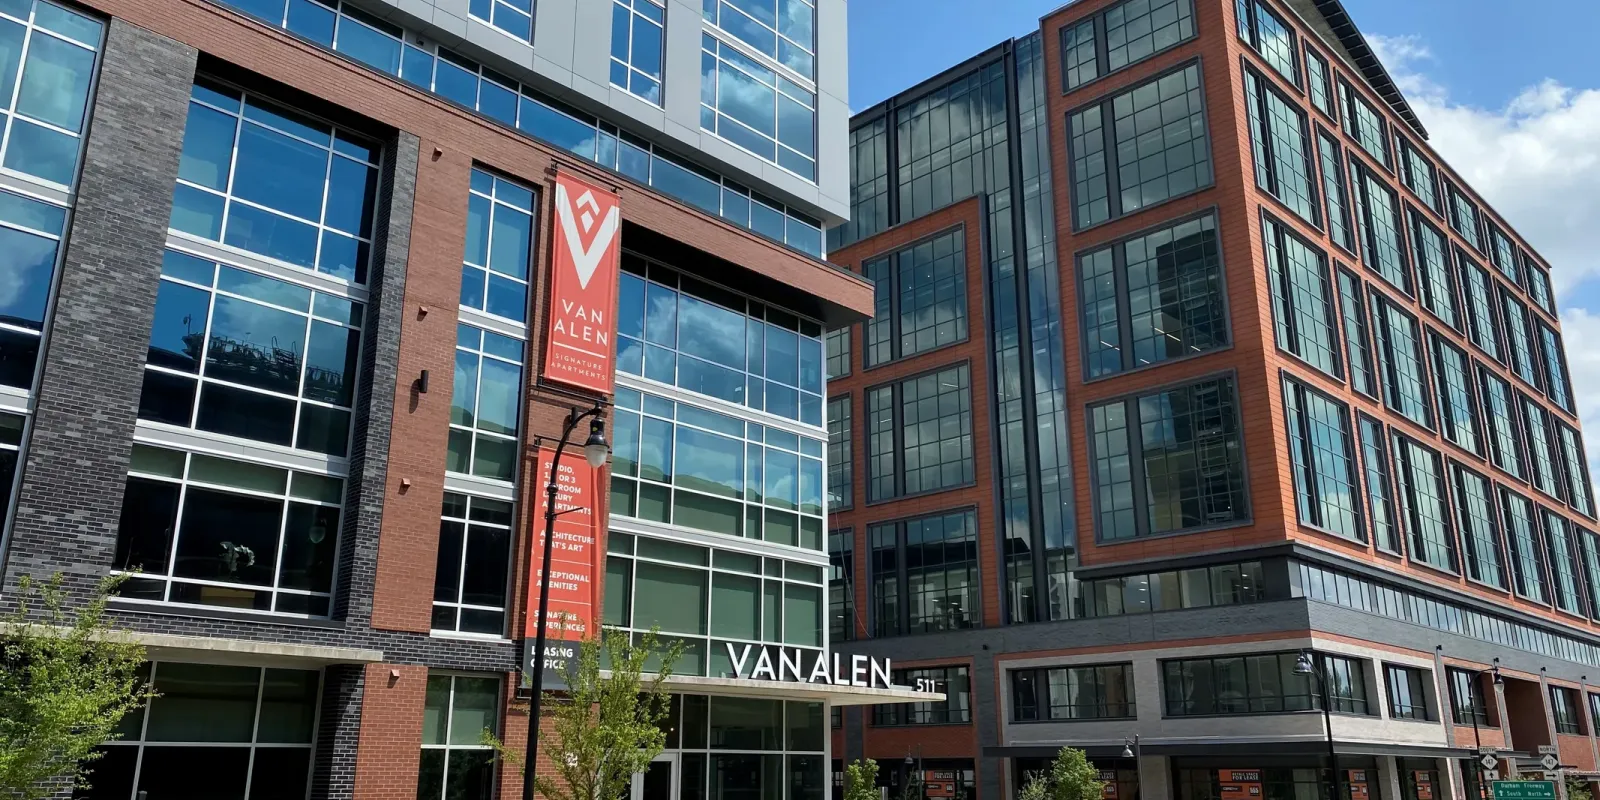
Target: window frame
1307,460
894,290
467,521
1341,227
1287,314
1495,418
1248,31
1102,56
901,577
1264,149
1471,440
1410,157
1362,178
449,721
907,715
844,464
1376,464
1114,209
842,570
1043,708
1415,706
1411,521
1566,714
1520,560
1475,704
1471,541
1349,96
1119,273
1140,504
1446,309
1326,67
897,402
1454,196
632,72
1384,347
1480,315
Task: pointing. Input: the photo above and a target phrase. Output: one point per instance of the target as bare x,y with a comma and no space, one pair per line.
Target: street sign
1489,761
1524,790
1549,762
1548,748
1491,774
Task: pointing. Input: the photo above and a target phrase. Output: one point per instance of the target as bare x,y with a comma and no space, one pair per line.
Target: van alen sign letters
799,666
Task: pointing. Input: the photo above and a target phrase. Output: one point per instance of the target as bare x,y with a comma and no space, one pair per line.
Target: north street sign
1489,760
1549,762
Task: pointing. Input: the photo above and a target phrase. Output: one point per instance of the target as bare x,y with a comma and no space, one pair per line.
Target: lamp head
1127,750
1302,665
595,449
909,760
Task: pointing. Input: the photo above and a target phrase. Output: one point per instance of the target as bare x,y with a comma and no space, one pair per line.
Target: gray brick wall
70,496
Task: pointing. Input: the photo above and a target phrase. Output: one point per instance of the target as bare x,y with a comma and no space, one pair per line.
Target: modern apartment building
299,295
1200,395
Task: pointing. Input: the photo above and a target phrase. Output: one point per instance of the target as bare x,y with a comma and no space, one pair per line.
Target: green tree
861,780
65,682
1070,777
1579,789
608,723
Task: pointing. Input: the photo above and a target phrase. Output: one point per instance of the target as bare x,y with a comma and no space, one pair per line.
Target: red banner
1356,779
583,285
574,555
1239,784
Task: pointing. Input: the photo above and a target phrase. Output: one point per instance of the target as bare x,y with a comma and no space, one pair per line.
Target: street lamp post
1133,751
1477,741
595,451
1305,666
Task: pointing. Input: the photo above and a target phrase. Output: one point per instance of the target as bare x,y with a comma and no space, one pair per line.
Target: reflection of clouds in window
25,280
711,332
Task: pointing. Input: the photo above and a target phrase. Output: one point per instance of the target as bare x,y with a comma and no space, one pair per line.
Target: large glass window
1281,146
236,731
783,30
1539,284
1400,361
1363,122
1258,684
47,65
1424,504
954,709
394,51
1464,218
1418,174
836,343
30,244
1127,33
1429,250
841,585
841,459
683,332
514,17
1357,343
1199,587
1264,30
1319,82
919,434
1527,565
1334,192
919,298
1302,298
1375,478
1153,298
1140,147
273,181
925,574
1458,405
1168,461
11,428
1555,368
636,47
204,530
1103,691
1563,560
1409,688
682,464
1467,706
239,353
456,764
691,593
469,581
485,408
1478,294
1565,711
756,107
1502,252
1322,452
1576,469
1378,227
494,271
1500,418
1589,548
1480,529
1541,450
1523,360
747,747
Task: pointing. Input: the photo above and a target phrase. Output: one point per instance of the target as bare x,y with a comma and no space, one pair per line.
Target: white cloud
1537,161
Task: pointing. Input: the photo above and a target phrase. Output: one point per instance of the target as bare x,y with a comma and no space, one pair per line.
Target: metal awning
794,690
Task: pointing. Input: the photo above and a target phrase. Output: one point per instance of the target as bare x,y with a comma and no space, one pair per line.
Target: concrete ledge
208,650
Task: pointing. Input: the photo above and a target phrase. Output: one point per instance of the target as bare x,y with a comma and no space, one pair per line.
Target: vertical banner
583,285
573,563
1239,784
1356,779
1108,777
1424,784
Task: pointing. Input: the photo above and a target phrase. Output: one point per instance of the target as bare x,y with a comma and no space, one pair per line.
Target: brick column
390,755
338,732
70,497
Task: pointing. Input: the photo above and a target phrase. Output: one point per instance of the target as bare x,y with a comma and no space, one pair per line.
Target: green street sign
1524,790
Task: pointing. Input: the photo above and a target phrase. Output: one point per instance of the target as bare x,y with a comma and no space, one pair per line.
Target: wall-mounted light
422,383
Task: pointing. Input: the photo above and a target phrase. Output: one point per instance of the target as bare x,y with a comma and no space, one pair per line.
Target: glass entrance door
659,781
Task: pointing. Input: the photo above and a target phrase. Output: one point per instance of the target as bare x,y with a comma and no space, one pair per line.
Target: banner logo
583,285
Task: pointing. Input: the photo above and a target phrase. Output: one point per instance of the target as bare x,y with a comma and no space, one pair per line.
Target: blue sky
1511,98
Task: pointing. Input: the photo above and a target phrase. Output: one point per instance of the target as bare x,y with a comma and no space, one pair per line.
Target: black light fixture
1303,665
595,449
